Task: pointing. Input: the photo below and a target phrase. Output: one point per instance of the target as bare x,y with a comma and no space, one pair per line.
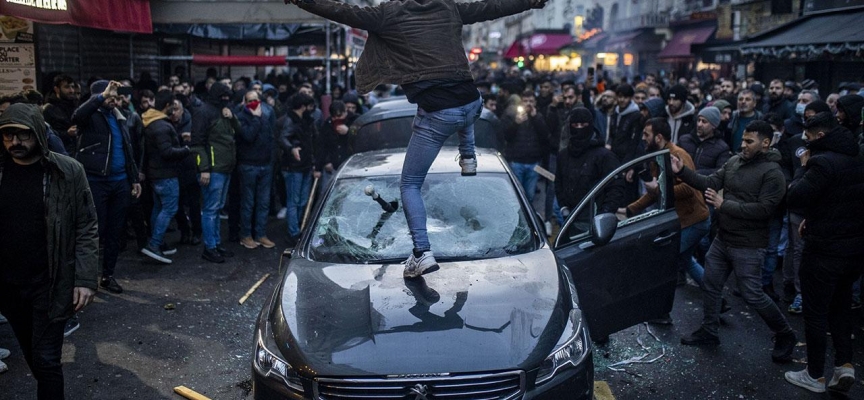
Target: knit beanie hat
721,104
98,87
711,114
655,106
677,92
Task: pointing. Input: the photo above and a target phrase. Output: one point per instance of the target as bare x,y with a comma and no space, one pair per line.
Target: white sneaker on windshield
415,266
468,165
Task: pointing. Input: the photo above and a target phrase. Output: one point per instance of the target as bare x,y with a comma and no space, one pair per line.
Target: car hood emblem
420,391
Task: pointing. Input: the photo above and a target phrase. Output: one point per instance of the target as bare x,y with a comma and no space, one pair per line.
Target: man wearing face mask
795,125
254,157
582,164
297,141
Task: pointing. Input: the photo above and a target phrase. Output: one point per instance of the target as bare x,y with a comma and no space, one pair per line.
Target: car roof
395,108
390,161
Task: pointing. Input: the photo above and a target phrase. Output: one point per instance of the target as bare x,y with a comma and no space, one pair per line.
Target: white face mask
776,139
799,109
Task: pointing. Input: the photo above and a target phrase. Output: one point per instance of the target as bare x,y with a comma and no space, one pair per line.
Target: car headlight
269,365
570,351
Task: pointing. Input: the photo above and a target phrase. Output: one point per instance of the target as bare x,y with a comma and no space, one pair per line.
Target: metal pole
329,60
131,58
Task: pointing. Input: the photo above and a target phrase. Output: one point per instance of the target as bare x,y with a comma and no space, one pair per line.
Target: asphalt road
130,346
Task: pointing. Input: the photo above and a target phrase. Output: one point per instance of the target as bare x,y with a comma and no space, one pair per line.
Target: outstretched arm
487,10
366,18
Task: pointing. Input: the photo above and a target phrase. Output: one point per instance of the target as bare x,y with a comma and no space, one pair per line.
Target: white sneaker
802,379
415,267
282,213
842,381
469,165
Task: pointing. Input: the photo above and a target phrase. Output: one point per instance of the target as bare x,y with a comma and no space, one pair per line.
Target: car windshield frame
468,218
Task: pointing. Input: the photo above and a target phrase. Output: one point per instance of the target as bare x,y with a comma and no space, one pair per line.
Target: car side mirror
603,228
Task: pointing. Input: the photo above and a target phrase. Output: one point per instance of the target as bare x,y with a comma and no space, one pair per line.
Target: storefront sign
17,55
15,80
112,15
14,29
43,4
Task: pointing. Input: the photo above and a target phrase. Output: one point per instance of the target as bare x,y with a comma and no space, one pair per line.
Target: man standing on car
419,46
49,246
753,186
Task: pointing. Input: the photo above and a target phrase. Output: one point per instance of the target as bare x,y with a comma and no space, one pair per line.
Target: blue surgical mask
799,109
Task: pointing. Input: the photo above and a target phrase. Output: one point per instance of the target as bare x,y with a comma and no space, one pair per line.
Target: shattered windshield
467,218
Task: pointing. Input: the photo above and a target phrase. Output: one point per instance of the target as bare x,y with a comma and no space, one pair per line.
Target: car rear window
396,132
468,218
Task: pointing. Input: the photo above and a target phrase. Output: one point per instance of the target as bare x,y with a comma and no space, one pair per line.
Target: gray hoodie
684,123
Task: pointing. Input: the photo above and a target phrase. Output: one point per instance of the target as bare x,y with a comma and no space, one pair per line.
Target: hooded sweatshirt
684,123
851,104
70,217
162,150
625,132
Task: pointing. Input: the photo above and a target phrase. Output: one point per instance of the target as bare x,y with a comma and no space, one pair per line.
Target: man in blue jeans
297,141
163,157
527,141
254,158
419,46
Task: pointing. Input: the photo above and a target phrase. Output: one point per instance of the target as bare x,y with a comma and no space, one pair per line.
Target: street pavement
181,324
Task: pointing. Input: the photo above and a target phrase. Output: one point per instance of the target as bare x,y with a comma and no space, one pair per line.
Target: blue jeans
690,238
297,187
213,195
527,177
430,131
254,199
166,196
770,265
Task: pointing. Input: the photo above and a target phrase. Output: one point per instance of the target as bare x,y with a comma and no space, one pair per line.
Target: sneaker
795,307
844,377
72,325
701,338
265,242
248,243
415,267
109,283
784,344
213,255
223,215
4,353
167,249
3,367
282,213
802,379
469,165
769,291
224,252
155,254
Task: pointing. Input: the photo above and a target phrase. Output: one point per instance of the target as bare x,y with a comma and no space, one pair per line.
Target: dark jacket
255,141
752,191
298,132
788,146
734,122
708,155
625,132
213,139
410,40
162,151
95,139
189,164
527,142
579,170
58,114
73,250
851,105
784,108
829,190
333,148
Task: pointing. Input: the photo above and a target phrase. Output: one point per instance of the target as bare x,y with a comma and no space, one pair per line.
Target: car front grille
499,386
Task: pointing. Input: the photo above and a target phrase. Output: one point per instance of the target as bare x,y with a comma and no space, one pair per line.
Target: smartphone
124,90
645,175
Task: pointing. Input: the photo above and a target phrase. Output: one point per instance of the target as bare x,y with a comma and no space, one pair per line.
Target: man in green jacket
418,44
48,243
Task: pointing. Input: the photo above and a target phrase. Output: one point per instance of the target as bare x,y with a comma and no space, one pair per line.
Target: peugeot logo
420,391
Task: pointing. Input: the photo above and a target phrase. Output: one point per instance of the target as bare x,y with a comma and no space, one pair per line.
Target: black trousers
41,340
826,291
112,201
188,215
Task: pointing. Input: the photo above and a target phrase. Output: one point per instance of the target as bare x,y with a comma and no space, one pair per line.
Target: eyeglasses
22,134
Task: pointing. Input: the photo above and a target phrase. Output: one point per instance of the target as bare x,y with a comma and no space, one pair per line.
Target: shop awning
679,46
537,44
112,15
229,12
811,35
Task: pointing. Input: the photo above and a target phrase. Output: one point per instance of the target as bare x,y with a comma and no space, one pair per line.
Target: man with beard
752,186
742,117
297,141
604,105
49,245
777,102
689,203
546,95
213,129
681,113
582,164
625,125
707,149
58,112
828,189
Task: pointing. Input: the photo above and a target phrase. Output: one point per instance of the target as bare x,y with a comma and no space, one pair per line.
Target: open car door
625,271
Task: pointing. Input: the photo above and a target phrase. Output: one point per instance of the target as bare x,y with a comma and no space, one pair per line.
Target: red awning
537,44
679,46
112,15
203,59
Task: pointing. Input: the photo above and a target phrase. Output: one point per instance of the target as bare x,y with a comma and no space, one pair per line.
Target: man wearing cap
708,150
49,245
105,151
681,113
777,103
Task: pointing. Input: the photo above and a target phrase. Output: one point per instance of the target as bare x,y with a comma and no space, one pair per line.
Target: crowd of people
762,180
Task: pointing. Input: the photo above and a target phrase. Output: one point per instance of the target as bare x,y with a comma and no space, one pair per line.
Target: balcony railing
654,20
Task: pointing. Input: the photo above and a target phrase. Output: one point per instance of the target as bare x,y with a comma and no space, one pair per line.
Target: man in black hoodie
62,102
849,113
298,144
828,188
